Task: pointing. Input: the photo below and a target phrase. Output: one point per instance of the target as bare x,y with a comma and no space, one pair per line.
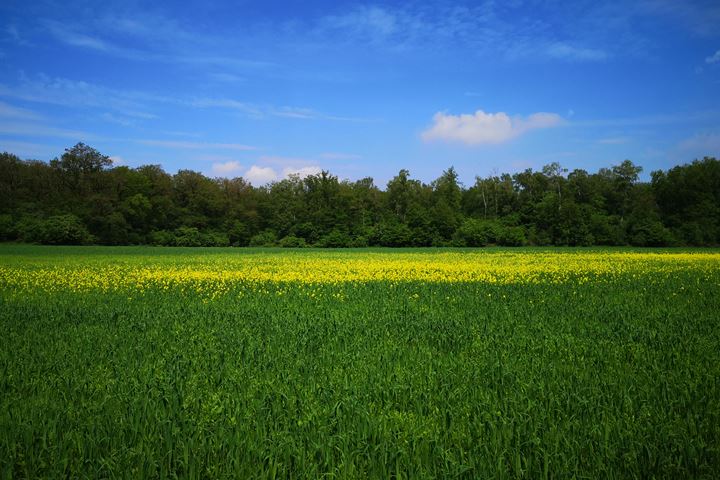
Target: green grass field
608,366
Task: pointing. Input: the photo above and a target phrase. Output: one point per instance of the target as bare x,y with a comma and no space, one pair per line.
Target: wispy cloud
701,144
80,40
162,40
12,33
183,145
263,111
76,37
10,111
117,120
226,77
368,21
80,94
570,52
483,128
176,133
295,112
228,103
284,161
310,114
614,141
599,31
130,105
651,120
700,17
35,130
714,58
339,156
485,27
29,149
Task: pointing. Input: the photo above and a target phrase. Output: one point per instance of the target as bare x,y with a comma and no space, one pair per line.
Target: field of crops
236,363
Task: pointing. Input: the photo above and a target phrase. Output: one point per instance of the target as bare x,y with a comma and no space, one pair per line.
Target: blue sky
265,89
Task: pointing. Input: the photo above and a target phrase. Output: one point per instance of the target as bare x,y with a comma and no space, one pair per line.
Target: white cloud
118,160
301,172
483,128
183,145
226,168
715,58
260,175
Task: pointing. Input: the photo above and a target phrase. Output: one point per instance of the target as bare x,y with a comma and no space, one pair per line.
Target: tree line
80,198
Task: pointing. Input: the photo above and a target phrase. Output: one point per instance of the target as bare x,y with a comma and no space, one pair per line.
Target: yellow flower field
219,272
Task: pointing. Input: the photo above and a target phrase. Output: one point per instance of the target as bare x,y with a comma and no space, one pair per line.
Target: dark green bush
292,241
64,230
266,238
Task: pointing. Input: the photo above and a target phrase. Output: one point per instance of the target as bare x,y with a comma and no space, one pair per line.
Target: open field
235,363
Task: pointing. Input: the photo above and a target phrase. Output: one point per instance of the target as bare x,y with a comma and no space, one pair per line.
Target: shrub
390,234
291,241
238,234
266,238
511,236
649,233
162,237
215,239
335,239
64,230
476,233
188,237
360,241
7,229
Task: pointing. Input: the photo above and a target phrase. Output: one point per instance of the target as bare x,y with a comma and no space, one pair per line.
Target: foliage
123,205
335,239
292,241
477,233
61,230
264,239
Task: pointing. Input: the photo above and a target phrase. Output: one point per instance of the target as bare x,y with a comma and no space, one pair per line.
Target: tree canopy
81,198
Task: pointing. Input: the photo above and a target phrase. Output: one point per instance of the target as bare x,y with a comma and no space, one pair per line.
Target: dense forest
80,198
